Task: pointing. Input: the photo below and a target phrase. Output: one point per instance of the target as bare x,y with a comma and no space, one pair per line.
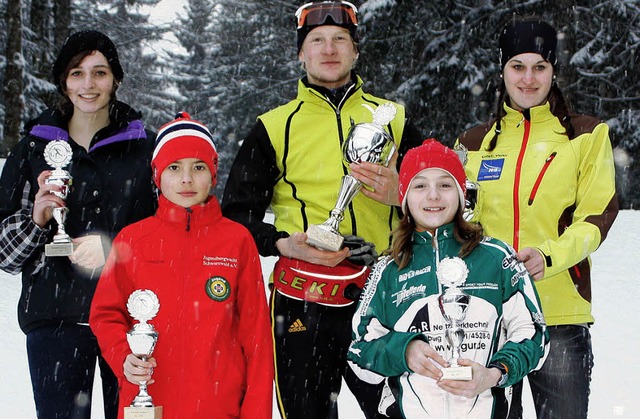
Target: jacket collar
189,218
124,125
311,93
539,113
444,232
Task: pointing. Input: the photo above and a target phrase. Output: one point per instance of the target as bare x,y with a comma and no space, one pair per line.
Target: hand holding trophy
143,305
58,154
366,142
454,302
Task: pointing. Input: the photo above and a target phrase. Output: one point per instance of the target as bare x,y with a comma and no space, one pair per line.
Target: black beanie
304,31
82,41
531,35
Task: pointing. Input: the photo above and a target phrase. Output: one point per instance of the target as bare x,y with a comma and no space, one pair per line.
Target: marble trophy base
322,237
154,412
457,373
58,249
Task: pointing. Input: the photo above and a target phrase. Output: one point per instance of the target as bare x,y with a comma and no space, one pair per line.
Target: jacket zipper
536,185
516,184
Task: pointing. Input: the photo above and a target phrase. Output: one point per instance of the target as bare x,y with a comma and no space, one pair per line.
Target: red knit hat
430,155
180,139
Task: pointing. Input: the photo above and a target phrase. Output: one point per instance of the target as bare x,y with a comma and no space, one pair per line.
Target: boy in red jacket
213,357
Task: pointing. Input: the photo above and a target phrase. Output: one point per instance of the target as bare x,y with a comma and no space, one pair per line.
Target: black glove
362,252
352,292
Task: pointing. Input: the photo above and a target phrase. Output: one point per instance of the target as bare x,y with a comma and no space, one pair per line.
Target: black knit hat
325,9
82,41
528,35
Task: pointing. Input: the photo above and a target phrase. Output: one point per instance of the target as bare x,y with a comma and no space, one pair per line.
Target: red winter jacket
214,350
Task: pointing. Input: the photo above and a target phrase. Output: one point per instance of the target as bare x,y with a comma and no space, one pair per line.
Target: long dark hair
466,233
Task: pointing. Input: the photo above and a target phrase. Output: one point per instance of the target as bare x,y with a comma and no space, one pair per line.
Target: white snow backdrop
616,375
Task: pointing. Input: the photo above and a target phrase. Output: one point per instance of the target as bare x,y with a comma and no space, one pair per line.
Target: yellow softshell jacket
545,190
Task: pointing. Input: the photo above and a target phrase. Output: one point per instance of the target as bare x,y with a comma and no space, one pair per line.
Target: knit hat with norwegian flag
180,139
430,155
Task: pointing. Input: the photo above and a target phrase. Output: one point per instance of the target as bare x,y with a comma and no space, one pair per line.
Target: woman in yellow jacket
547,182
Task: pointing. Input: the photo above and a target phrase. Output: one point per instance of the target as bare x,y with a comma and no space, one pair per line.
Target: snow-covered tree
146,84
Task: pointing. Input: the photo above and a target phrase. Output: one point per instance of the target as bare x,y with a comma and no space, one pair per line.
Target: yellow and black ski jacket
292,162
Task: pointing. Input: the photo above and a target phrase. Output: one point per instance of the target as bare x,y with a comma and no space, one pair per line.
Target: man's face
328,54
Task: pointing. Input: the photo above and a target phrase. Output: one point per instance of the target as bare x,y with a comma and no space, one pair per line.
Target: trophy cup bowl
58,154
143,305
142,341
473,202
366,142
454,303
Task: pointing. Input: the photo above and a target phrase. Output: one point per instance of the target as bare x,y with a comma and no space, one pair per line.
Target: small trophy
143,305
454,302
472,199
366,142
58,154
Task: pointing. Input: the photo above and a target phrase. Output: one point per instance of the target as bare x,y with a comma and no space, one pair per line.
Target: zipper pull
520,123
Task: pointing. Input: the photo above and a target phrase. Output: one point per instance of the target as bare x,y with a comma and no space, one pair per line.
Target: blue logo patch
490,169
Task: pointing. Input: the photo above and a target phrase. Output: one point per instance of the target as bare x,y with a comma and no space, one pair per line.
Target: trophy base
323,238
457,373
154,412
58,249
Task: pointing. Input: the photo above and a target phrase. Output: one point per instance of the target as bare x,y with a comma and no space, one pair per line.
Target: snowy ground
615,378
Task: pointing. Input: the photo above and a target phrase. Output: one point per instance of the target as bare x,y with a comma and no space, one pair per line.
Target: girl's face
527,78
186,182
90,84
432,199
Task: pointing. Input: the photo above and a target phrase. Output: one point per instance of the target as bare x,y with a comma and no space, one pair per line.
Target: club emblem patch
217,288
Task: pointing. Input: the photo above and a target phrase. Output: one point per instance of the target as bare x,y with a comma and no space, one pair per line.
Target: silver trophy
472,201
58,154
454,302
366,142
143,305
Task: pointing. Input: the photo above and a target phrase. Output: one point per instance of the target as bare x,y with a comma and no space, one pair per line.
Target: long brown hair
466,233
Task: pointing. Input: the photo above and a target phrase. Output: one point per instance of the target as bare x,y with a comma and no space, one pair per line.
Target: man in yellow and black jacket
292,162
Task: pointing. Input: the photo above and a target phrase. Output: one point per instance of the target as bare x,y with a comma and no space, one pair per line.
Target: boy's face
186,182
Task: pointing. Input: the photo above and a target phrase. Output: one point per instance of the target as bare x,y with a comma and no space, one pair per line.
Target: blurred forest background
236,59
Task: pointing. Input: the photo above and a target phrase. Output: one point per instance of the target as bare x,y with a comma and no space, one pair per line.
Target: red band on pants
317,283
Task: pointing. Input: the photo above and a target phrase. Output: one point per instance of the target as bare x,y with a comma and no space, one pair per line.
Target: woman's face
527,78
90,84
432,199
186,182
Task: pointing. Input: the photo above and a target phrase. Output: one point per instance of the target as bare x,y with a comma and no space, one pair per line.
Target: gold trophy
143,305
366,142
58,154
454,302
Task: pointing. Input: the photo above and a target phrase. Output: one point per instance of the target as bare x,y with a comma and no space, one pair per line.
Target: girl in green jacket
450,318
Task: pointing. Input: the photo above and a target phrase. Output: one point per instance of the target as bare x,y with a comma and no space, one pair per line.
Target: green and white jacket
504,324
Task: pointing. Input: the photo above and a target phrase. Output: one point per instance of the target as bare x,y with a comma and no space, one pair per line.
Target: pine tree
145,85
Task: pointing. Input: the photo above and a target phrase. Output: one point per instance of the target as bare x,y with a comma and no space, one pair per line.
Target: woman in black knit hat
548,188
103,145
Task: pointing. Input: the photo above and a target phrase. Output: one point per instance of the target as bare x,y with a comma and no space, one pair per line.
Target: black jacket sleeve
411,138
249,189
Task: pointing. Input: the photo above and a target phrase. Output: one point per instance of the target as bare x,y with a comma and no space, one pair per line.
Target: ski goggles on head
342,13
